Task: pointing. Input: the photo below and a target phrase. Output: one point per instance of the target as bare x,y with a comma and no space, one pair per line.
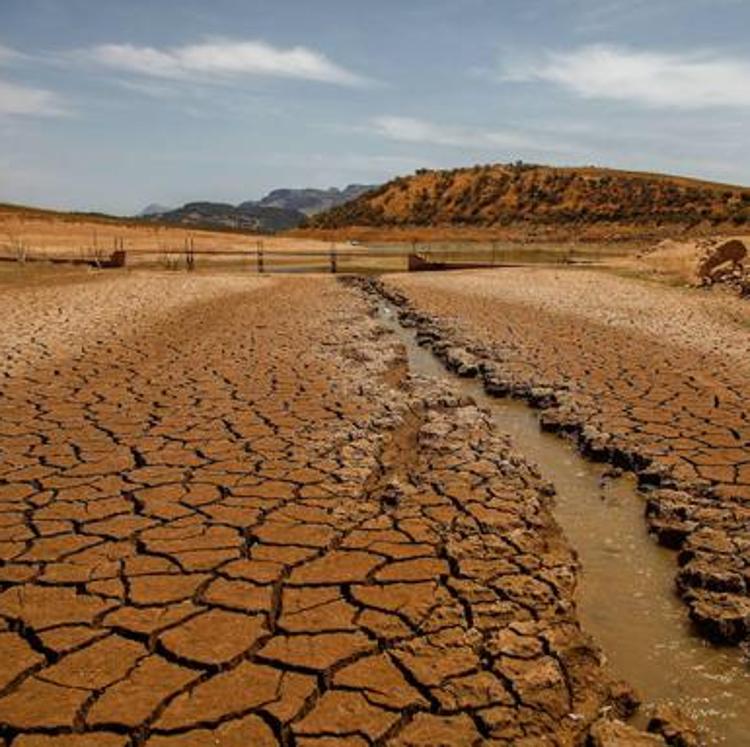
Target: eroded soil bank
230,516
625,592
650,378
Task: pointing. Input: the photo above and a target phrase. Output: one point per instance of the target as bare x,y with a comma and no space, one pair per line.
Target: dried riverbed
650,378
230,514
625,596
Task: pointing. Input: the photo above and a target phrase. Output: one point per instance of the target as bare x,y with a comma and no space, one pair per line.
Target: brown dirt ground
227,517
53,234
653,378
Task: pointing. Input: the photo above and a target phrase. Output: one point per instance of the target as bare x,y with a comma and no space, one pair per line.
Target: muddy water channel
625,598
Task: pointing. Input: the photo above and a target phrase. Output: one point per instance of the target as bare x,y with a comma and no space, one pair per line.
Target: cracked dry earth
228,516
652,378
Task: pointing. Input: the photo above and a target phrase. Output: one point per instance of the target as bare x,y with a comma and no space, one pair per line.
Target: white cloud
221,59
7,54
356,162
154,89
411,130
21,100
656,79
17,100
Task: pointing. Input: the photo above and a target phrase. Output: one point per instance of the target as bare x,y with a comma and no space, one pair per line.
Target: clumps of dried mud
654,382
229,515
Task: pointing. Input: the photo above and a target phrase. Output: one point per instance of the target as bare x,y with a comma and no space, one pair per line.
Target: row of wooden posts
417,258
189,251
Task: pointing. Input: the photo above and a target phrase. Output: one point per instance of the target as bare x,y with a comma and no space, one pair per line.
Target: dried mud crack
229,516
653,380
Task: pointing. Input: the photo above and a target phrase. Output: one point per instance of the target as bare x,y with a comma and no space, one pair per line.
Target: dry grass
46,233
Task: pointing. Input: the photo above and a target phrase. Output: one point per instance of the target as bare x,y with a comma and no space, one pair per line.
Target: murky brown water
626,598
508,252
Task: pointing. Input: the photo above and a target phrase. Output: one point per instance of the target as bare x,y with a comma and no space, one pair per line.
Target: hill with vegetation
245,217
529,201
205,216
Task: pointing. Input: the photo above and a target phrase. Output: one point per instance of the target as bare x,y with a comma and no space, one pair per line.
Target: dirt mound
701,261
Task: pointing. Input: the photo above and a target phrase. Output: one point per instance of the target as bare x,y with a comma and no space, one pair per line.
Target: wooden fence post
261,268
333,258
189,254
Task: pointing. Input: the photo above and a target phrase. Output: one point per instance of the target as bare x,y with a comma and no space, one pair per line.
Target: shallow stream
625,598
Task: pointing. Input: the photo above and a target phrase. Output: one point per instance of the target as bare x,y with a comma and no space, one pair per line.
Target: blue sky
110,105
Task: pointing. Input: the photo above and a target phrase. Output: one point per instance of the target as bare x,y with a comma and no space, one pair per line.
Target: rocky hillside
245,217
312,201
544,201
279,210
153,209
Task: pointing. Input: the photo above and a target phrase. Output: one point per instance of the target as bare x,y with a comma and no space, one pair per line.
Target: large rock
698,261
719,258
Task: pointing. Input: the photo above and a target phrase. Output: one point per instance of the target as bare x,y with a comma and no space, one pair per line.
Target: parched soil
651,378
46,233
229,516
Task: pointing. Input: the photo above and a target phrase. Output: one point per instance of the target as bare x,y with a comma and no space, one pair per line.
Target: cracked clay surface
229,516
651,378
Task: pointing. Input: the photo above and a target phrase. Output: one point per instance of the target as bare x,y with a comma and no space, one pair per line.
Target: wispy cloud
221,60
322,169
23,100
17,100
7,54
411,130
654,79
355,162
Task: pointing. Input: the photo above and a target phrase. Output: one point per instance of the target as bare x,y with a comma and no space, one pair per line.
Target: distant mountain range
279,210
312,201
153,209
245,217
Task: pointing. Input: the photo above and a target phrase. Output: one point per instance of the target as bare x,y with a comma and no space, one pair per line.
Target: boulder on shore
700,261
720,258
